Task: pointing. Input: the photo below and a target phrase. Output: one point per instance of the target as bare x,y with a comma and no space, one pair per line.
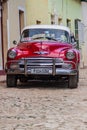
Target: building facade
84,21
66,12
12,20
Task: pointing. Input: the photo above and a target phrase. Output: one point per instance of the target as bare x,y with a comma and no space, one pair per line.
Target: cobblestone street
44,106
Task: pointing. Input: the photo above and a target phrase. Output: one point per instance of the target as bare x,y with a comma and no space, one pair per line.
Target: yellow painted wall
13,20
37,10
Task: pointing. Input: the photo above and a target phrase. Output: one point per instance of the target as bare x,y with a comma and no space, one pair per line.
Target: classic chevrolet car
44,52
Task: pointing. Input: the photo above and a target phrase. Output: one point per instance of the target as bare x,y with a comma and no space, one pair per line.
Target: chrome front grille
40,61
30,64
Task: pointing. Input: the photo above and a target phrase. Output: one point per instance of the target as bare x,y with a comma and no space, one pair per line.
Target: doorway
1,67
21,20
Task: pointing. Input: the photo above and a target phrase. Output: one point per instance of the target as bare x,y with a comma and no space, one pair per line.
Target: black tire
73,81
11,80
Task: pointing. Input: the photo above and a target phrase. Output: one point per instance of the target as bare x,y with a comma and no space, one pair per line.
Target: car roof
47,26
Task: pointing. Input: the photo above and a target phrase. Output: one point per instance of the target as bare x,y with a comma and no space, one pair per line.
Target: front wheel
11,80
73,81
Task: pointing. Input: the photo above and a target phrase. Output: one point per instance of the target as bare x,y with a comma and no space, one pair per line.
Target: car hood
43,48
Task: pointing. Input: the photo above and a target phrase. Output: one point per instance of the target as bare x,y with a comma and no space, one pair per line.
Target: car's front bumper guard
25,71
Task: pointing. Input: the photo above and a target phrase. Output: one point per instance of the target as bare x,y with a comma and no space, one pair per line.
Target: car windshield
45,34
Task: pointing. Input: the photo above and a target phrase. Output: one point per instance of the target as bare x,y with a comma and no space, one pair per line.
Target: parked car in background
44,52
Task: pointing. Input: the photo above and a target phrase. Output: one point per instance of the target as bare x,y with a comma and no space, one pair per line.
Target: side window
52,19
38,22
68,23
59,21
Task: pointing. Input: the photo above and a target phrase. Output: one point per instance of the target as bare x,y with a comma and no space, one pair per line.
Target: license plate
41,71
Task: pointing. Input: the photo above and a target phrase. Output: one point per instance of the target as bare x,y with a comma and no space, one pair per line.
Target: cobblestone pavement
44,106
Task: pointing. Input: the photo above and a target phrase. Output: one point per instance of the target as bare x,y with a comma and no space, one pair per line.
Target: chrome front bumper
58,72
41,66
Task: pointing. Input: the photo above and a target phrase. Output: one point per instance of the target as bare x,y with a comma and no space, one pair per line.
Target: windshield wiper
51,38
37,38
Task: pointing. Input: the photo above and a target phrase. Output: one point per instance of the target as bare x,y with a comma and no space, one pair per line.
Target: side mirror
15,42
74,44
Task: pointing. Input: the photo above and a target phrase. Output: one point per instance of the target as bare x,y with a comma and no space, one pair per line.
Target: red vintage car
44,52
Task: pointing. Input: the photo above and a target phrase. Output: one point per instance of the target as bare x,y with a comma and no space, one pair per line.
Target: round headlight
12,54
70,55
